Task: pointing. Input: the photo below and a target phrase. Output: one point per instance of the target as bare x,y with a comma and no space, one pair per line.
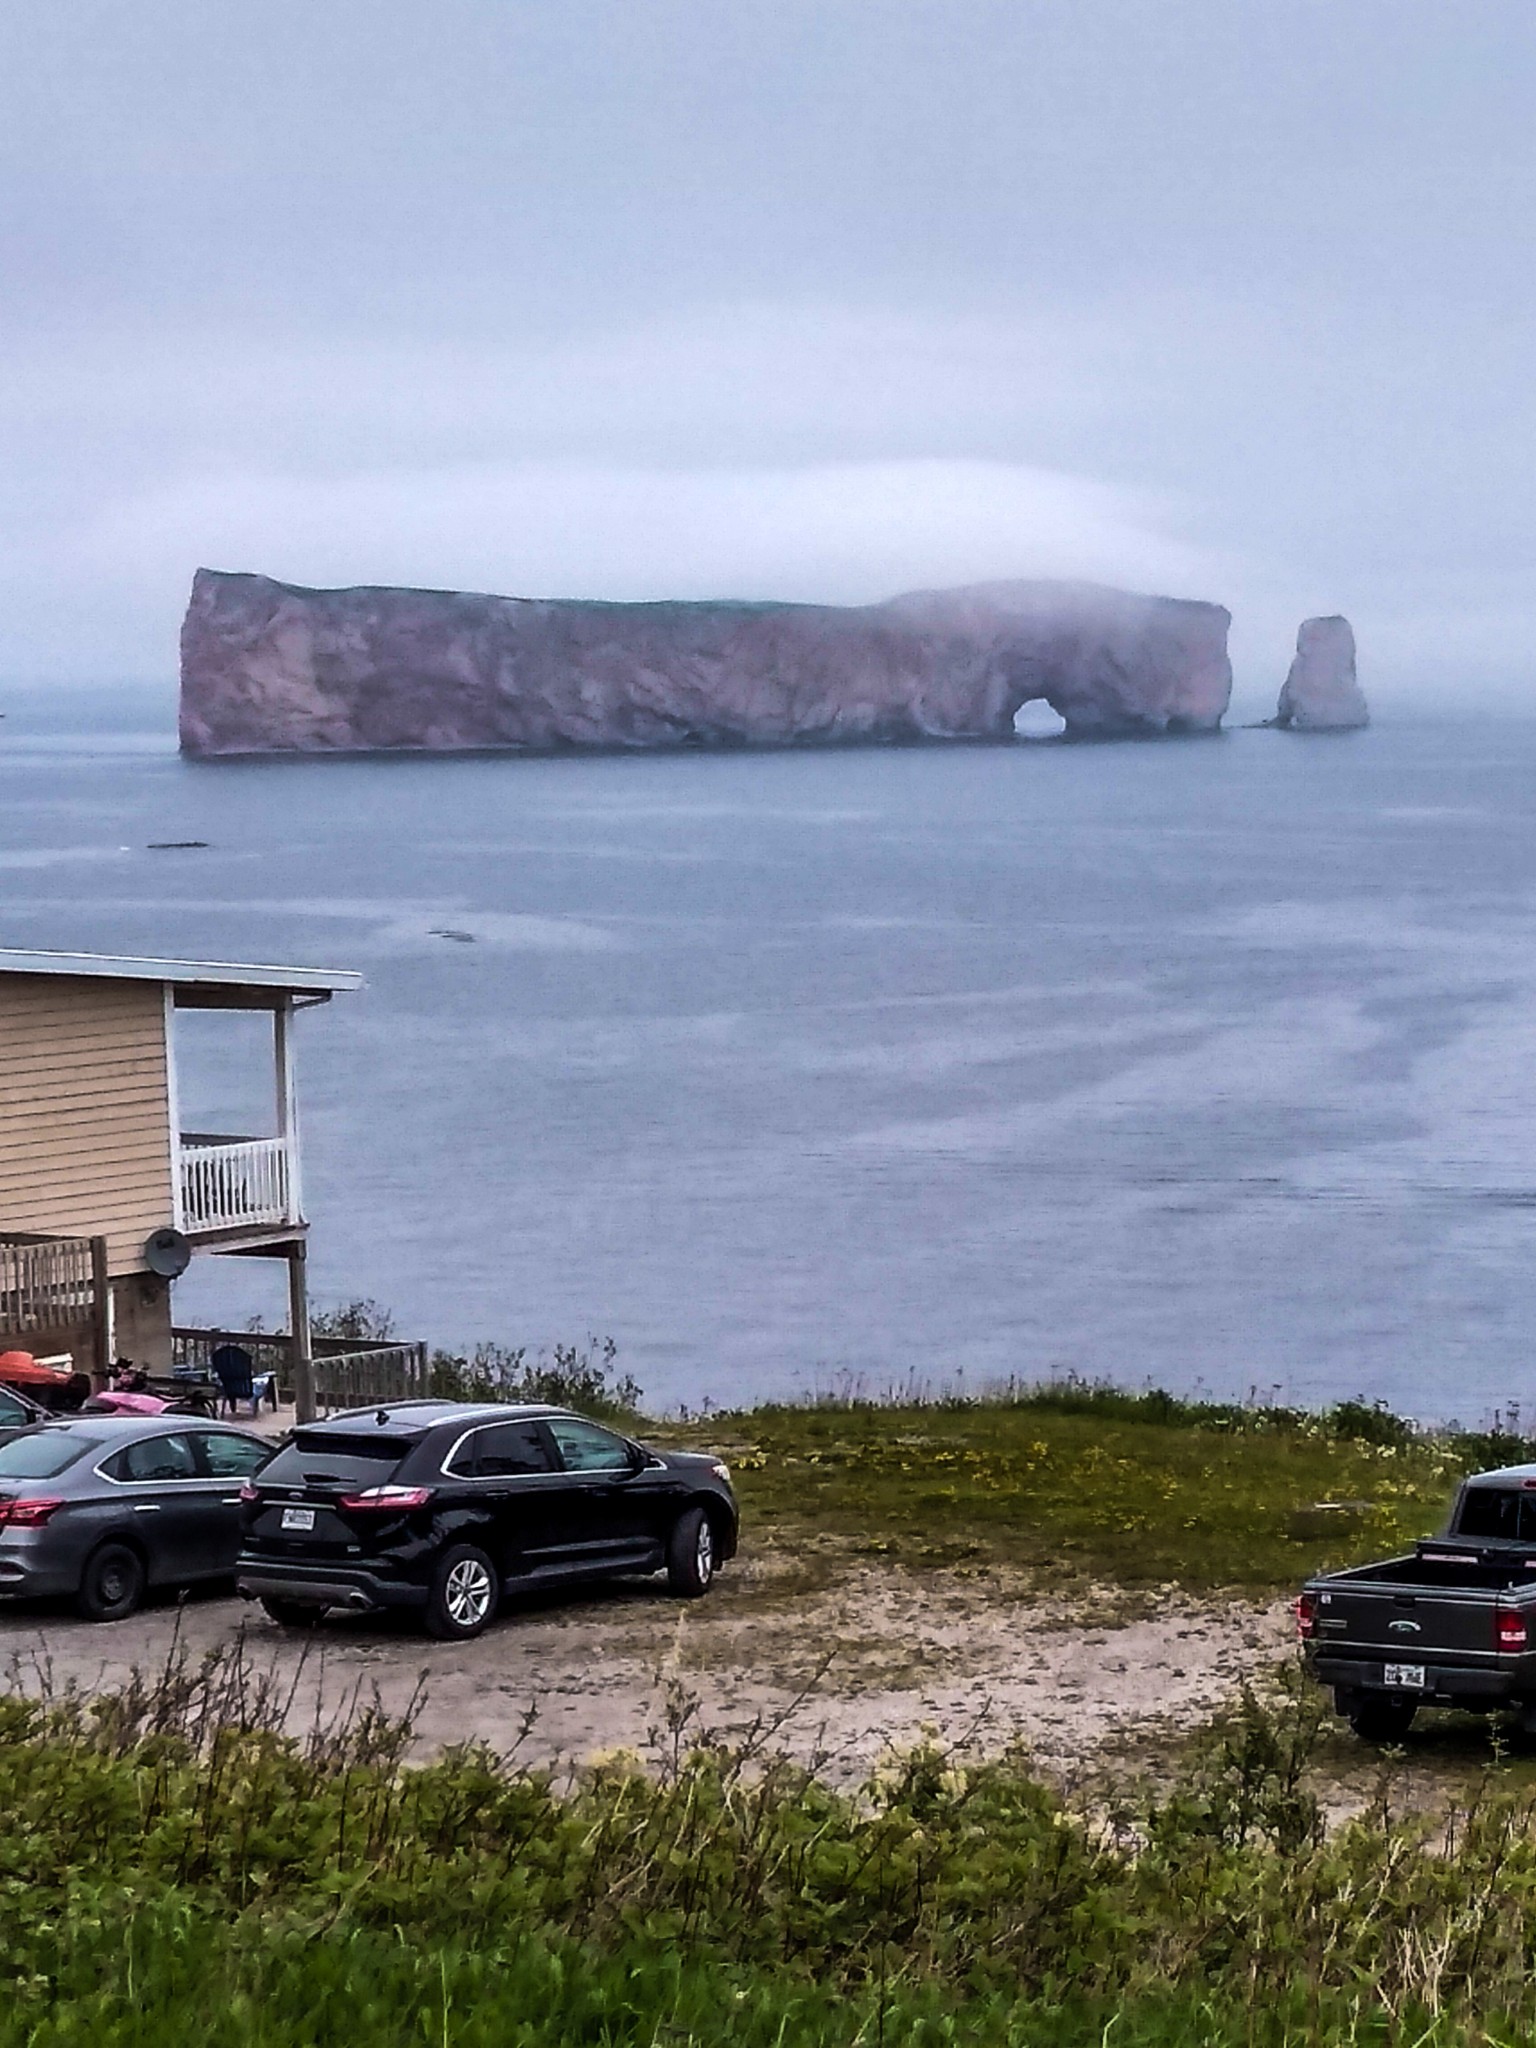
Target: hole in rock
1037,721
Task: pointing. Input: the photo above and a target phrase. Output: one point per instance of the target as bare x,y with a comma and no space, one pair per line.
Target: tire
465,1594
1382,1720
691,1553
113,1583
291,1613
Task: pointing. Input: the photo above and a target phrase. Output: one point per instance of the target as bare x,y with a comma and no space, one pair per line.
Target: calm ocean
1208,1064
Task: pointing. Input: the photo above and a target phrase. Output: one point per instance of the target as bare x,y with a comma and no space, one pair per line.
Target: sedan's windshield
42,1454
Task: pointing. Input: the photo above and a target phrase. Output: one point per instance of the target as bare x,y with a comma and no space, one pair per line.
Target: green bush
173,1867
580,1376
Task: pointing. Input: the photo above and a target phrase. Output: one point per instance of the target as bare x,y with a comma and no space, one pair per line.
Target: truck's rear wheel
1382,1720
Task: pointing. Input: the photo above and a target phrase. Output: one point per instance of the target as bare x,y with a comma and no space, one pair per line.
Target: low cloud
839,532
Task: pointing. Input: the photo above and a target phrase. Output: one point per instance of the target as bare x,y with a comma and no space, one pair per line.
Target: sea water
1206,1064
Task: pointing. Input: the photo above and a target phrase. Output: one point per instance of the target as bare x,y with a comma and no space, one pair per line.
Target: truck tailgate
1410,1622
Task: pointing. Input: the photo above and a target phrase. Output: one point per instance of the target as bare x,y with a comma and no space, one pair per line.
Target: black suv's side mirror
637,1457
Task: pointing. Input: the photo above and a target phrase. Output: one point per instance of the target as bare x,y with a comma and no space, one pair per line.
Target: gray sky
803,298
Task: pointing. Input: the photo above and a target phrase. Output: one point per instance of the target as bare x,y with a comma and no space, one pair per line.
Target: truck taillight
249,1492
1509,1629
1306,1617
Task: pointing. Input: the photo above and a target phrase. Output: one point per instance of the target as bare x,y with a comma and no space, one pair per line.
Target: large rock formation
1321,694
270,667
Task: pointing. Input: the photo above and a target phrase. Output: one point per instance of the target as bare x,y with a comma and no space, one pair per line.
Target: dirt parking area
833,1674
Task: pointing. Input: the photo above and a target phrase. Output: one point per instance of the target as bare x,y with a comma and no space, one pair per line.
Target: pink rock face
270,667
1321,694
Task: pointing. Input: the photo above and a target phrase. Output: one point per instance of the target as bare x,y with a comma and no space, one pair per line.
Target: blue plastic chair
234,1369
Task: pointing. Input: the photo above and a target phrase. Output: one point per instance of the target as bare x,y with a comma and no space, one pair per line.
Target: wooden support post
298,1323
101,1314
287,1104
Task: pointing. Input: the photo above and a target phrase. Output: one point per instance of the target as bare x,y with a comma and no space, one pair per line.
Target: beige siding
84,1111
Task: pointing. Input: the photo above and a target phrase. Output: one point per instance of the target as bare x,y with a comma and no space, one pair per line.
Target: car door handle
146,1507
230,1500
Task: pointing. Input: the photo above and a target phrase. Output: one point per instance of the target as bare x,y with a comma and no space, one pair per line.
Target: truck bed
1452,1622
1438,1623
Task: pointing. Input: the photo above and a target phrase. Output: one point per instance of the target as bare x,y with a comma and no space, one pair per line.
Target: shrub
176,1867
580,1376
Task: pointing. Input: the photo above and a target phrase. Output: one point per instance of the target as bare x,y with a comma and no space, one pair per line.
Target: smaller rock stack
1321,694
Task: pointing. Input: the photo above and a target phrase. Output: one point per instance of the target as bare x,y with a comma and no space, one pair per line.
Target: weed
175,1866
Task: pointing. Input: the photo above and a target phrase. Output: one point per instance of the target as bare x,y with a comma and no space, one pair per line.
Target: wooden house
103,1195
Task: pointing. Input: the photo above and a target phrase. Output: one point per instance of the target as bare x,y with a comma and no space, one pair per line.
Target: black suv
443,1506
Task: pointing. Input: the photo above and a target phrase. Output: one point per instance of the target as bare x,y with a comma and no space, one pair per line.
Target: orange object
21,1369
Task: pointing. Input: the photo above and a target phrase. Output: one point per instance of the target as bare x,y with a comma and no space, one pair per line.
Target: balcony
232,1183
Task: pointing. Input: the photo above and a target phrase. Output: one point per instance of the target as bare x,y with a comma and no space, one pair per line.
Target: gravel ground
833,1675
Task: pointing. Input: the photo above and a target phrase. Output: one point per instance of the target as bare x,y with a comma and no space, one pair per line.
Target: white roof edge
180,973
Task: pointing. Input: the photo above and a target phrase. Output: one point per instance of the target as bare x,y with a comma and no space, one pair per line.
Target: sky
818,299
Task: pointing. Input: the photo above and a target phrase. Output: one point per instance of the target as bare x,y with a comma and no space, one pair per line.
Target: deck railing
192,1351
359,1379
46,1284
227,1182
349,1372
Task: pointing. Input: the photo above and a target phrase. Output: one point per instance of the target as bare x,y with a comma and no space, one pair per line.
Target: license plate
1411,1677
303,1518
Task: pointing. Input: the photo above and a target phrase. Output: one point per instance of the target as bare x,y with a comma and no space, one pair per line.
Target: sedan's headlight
721,1470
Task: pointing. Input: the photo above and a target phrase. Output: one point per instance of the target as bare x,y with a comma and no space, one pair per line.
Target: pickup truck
1451,1623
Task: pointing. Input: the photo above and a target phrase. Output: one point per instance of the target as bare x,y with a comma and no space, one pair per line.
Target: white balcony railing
229,1182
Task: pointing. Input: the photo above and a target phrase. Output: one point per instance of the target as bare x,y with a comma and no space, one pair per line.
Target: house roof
214,983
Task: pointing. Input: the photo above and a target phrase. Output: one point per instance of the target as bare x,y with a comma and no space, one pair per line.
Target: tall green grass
174,1867
1079,1484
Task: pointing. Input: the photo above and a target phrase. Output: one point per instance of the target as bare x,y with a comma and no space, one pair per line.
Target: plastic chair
234,1369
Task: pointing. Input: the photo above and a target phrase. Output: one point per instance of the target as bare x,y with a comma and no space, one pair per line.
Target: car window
153,1457
502,1451
1491,1511
586,1448
43,1453
14,1414
232,1457
321,1455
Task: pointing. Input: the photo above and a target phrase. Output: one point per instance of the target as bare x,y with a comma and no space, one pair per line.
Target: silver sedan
100,1508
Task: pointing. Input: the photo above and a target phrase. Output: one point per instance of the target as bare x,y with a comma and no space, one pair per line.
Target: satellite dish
167,1253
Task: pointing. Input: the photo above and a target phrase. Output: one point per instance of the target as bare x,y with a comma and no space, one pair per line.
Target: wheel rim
467,1595
114,1581
704,1553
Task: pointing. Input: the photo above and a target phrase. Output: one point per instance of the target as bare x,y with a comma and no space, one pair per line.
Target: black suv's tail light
386,1499
1306,1617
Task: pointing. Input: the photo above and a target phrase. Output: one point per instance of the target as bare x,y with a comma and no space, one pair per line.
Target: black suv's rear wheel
1382,1720
691,1554
112,1584
464,1593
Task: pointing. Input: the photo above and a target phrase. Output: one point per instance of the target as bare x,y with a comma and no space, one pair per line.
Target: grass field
1085,1484
1070,1482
